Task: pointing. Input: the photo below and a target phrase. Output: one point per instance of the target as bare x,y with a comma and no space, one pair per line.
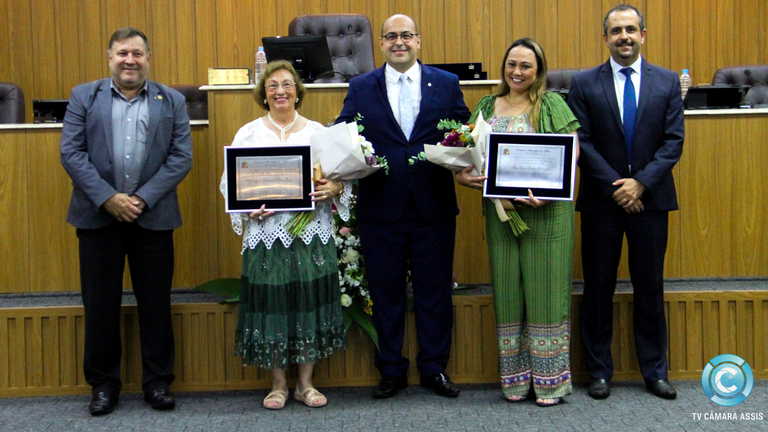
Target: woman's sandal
311,397
275,400
515,399
549,402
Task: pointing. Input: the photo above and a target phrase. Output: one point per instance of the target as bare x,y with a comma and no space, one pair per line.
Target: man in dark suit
408,217
630,140
126,145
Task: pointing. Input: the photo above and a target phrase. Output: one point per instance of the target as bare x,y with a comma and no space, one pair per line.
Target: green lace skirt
290,308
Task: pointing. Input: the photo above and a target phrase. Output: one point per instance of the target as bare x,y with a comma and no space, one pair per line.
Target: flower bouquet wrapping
355,298
344,154
466,145
340,152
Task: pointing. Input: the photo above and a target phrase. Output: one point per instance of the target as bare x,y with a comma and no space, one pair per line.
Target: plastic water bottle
685,82
261,64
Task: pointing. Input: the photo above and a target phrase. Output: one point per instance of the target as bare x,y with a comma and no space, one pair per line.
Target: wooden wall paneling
66,350
124,13
658,42
5,38
21,65
476,44
545,28
14,225
33,347
93,41
568,45
724,33
703,61
522,18
68,62
52,240
205,31
6,357
285,12
705,211
748,229
197,242
497,37
228,36
164,34
437,36
46,77
456,46
762,44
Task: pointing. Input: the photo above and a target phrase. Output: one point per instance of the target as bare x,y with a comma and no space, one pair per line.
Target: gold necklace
281,129
516,101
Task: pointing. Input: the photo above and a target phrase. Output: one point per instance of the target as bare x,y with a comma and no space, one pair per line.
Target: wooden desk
720,230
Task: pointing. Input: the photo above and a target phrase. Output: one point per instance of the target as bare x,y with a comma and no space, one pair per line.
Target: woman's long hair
538,86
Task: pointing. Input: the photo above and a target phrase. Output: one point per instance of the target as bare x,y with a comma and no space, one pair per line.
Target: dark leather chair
12,107
560,79
197,100
350,41
741,75
757,96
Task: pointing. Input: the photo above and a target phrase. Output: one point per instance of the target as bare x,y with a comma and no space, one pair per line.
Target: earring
297,100
265,101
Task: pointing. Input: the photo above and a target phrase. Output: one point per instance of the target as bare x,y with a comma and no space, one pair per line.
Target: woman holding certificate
290,309
531,272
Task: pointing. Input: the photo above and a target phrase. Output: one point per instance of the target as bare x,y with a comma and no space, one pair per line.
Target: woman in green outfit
290,307
531,272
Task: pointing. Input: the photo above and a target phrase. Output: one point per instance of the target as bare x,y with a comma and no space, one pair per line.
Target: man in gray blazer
126,145
631,136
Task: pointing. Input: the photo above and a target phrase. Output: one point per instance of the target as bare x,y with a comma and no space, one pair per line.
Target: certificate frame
293,163
502,179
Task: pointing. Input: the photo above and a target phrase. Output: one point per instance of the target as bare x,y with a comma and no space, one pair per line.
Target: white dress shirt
392,78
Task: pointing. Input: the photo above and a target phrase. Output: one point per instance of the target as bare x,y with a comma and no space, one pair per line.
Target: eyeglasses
287,86
406,37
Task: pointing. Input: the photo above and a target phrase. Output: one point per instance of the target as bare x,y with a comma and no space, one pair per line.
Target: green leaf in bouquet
356,313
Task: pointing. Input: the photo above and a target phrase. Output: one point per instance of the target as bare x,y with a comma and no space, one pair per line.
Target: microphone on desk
748,73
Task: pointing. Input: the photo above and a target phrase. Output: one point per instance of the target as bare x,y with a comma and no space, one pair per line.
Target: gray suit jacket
86,154
658,141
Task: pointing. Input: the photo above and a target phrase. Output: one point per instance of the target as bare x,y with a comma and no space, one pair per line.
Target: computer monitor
49,110
309,54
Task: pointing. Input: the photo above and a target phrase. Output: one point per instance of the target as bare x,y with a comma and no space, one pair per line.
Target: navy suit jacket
86,154
383,197
658,141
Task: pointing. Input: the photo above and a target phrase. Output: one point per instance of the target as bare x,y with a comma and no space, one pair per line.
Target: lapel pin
429,84
159,97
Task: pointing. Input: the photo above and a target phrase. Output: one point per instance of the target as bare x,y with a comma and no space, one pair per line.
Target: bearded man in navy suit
126,144
408,217
631,136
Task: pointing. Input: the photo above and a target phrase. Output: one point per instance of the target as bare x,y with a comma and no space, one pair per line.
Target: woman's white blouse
256,134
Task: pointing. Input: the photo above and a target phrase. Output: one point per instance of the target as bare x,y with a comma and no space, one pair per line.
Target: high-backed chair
197,100
11,103
561,78
741,75
350,41
757,96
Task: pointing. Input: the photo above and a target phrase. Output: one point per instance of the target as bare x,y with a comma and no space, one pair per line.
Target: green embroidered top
555,116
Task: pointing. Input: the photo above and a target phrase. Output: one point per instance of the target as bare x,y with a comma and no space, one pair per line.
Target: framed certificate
278,177
543,163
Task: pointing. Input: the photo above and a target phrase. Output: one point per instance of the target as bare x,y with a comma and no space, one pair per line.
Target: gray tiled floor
479,408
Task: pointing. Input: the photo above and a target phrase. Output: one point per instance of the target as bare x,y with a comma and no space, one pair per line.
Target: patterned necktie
630,112
406,106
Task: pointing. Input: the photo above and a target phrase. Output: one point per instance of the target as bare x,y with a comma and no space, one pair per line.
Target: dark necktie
630,112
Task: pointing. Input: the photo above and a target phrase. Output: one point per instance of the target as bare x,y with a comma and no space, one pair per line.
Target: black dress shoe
599,388
440,384
389,386
160,399
661,388
102,403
